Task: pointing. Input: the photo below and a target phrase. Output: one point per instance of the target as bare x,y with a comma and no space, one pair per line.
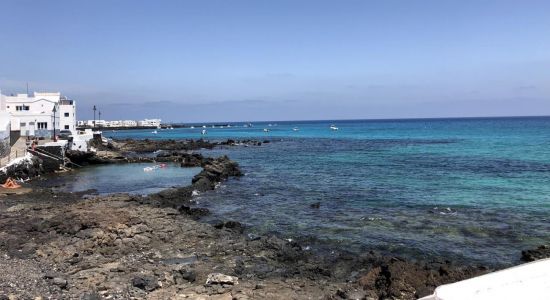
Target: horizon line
370,119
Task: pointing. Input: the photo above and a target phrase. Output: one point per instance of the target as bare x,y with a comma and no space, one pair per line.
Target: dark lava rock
540,252
214,171
148,145
399,279
230,225
195,212
85,158
26,170
315,205
189,275
145,282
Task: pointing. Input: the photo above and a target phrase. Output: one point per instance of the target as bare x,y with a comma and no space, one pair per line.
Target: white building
129,123
36,115
149,123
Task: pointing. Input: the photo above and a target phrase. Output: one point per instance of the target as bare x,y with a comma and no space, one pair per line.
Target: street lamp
94,114
54,111
99,116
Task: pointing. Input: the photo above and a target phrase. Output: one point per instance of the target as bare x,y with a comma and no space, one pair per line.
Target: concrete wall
5,129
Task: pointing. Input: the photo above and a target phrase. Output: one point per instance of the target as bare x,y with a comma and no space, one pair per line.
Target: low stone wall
5,129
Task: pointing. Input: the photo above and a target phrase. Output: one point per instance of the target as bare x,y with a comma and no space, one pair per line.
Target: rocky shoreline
75,246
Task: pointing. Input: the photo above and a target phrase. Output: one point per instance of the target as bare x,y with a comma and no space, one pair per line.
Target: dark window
66,126
42,125
66,114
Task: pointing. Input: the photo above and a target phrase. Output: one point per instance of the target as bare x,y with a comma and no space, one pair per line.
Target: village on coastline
47,120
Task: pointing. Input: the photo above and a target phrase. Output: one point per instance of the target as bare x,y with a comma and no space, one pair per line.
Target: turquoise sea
473,189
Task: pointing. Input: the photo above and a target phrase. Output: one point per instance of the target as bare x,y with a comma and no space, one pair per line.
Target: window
22,107
66,126
66,114
42,125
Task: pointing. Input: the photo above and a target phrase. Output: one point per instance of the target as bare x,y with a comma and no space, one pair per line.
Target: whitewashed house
129,123
149,123
36,115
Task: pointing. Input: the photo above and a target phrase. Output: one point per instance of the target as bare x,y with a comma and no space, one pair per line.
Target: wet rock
315,205
218,278
540,252
145,282
194,212
231,226
215,171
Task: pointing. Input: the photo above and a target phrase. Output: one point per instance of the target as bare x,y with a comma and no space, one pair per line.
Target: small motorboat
203,132
192,127
295,129
266,130
154,132
333,127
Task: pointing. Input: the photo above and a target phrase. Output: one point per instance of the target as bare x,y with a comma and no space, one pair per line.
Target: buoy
11,184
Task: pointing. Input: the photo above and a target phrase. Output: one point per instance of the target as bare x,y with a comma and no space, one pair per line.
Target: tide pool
125,178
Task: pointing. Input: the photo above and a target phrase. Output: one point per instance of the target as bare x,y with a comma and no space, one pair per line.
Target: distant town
146,123
48,117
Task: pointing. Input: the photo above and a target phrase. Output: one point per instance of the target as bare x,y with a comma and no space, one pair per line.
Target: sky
192,61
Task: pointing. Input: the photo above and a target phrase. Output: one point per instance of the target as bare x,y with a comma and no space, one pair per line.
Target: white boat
295,129
203,126
333,127
266,130
203,132
192,127
526,281
154,132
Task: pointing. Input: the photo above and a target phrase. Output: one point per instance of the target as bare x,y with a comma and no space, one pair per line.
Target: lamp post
54,111
99,116
94,114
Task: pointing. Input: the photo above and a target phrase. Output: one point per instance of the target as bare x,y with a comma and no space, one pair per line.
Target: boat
192,127
295,129
203,126
154,132
333,127
266,130
203,132
526,281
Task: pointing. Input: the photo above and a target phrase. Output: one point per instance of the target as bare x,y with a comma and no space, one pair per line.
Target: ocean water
476,189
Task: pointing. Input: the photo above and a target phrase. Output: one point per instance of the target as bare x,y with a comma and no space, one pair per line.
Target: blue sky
281,60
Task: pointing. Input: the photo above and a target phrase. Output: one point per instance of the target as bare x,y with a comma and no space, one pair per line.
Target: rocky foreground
74,246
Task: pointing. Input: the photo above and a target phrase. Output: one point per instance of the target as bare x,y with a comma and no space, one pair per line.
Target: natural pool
124,178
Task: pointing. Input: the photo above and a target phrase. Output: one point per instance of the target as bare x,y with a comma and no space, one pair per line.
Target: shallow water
125,178
472,189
